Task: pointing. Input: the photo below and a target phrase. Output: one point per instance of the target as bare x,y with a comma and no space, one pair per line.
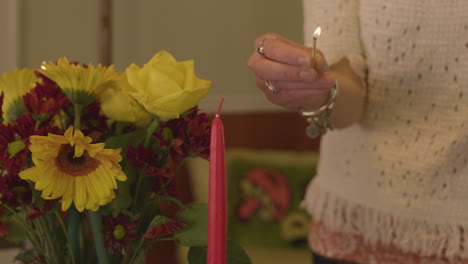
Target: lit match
315,36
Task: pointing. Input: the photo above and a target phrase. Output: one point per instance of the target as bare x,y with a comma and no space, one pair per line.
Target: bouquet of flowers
87,154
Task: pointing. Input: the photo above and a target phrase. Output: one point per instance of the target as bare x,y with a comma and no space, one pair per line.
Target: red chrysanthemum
45,100
35,211
164,183
193,130
95,124
177,145
14,191
159,168
141,157
164,230
120,232
199,132
14,142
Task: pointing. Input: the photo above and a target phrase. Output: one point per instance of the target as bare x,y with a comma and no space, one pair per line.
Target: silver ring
261,49
271,88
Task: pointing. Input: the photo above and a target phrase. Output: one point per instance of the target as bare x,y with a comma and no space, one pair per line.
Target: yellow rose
117,104
165,87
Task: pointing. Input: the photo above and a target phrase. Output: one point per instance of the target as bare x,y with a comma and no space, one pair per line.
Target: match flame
316,33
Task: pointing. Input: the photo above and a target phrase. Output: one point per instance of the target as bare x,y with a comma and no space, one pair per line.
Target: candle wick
220,106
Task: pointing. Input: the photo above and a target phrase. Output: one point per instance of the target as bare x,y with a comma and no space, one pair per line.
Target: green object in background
265,189
234,254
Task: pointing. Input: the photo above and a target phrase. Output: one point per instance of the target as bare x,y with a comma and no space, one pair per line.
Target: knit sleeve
340,36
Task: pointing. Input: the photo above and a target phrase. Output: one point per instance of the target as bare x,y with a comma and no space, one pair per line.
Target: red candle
217,194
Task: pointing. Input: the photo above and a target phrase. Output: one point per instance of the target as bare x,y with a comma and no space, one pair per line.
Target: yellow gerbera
70,167
14,86
80,83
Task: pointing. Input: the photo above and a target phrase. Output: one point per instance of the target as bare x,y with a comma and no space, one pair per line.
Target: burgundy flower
14,191
45,100
150,163
14,142
95,124
141,157
165,183
174,146
164,230
34,212
193,130
199,132
120,232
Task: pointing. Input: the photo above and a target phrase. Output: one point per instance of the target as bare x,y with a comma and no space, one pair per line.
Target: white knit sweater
400,176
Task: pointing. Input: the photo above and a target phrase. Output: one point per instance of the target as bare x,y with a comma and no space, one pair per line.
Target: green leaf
152,127
150,210
16,109
122,141
123,198
131,172
235,254
157,220
195,233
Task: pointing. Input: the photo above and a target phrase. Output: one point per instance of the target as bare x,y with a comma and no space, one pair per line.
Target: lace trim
352,248
417,236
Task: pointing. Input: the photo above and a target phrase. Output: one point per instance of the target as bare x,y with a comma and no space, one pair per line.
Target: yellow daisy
80,83
70,167
14,86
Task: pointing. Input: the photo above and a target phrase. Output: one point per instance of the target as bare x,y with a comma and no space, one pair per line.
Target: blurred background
219,36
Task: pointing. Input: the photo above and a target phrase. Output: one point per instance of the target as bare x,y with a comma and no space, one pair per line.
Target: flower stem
173,200
28,232
78,109
51,244
137,251
36,126
62,225
150,130
176,170
136,194
149,133
73,228
96,227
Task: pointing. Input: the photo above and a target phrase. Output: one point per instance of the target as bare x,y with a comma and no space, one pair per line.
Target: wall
218,35
54,28
8,30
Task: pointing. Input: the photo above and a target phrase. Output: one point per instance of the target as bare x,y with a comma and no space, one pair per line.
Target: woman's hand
301,82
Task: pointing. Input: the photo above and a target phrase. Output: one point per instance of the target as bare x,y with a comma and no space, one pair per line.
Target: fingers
323,84
292,74
294,98
275,71
279,49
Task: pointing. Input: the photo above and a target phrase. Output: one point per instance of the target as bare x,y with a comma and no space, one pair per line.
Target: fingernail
307,75
304,61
